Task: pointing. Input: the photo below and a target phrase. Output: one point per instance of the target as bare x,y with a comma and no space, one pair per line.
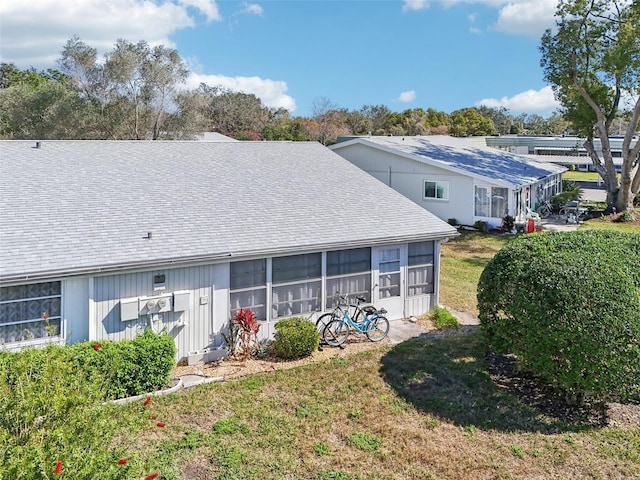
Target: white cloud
408,5
528,17
531,101
408,96
252,9
271,92
517,17
97,22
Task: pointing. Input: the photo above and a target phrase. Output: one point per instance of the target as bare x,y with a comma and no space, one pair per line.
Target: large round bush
568,306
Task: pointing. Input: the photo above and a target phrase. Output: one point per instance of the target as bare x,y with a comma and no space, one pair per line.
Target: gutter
203,259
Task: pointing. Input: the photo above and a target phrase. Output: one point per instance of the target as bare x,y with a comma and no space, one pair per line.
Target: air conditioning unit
157,304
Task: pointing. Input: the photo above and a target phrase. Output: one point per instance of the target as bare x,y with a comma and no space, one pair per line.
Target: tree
41,105
592,61
469,121
502,120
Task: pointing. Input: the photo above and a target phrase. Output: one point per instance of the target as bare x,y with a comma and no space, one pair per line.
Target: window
491,201
23,309
420,272
249,287
296,284
437,190
389,275
348,273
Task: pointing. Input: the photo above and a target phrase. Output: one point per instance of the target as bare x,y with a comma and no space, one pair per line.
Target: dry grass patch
426,408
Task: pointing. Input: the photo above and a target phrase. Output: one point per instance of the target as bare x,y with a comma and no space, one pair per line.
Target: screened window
348,273
420,271
296,284
30,311
491,201
249,287
389,274
437,190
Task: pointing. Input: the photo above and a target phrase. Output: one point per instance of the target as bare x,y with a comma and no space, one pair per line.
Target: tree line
136,92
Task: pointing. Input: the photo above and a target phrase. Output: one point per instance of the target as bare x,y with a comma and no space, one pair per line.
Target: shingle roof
85,205
462,156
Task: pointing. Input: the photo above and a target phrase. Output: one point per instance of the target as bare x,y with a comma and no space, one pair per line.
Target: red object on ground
146,401
58,467
161,424
152,476
531,225
123,461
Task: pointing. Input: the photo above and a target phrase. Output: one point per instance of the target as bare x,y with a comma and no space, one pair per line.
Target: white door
388,291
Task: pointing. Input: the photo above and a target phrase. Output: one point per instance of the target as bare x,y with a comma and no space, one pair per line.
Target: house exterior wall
407,177
76,309
114,306
196,327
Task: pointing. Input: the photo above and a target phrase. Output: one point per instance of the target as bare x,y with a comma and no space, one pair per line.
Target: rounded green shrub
568,306
295,337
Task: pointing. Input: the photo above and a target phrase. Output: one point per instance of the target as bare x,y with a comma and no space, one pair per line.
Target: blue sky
444,54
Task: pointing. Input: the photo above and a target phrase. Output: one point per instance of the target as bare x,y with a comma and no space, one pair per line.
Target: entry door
388,292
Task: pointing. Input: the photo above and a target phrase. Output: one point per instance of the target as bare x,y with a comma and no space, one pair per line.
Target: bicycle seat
369,309
361,298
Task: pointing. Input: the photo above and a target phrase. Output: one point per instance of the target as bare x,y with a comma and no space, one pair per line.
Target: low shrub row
52,417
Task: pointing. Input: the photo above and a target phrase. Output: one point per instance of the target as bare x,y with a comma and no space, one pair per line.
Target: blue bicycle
374,325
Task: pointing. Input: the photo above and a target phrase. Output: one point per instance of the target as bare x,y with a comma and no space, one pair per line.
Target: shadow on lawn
448,378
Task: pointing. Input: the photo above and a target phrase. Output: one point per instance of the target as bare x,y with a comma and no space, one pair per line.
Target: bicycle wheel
378,328
335,333
544,211
323,320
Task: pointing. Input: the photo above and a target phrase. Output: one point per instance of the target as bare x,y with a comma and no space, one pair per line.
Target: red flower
58,467
45,316
152,476
97,346
146,401
161,424
123,461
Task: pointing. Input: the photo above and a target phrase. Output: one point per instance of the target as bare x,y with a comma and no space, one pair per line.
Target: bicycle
547,208
359,312
375,326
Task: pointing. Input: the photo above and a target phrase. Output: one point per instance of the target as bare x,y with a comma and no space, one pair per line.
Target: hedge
568,306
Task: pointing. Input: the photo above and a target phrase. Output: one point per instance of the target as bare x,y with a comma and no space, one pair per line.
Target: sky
295,54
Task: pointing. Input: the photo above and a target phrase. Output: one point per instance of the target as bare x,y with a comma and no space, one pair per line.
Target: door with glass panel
389,267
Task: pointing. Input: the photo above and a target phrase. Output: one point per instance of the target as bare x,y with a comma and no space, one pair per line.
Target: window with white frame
296,284
348,273
249,287
436,190
389,273
491,201
30,312
420,270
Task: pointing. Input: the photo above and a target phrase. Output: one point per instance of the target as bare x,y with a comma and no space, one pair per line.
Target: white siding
75,309
407,177
194,329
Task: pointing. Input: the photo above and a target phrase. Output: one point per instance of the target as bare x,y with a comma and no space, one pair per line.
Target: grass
462,262
581,176
426,408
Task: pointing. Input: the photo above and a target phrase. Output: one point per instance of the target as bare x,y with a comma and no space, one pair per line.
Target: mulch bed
536,394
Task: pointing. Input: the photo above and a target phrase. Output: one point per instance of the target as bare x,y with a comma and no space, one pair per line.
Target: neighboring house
454,178
111,237
561,150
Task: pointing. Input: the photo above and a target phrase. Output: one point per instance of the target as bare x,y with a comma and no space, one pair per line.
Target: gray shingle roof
464,156
86,205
